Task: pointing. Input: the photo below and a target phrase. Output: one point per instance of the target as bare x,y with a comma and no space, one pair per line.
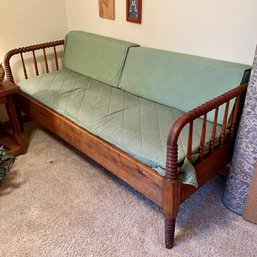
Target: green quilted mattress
136,125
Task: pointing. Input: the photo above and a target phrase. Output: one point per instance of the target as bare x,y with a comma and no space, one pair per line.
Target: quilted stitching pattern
136,125
161,76
96,56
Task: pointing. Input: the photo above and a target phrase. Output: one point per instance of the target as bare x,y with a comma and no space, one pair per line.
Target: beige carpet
57,202
250,211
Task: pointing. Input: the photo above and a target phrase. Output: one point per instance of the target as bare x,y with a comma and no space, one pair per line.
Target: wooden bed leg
171,204
169,232
19,115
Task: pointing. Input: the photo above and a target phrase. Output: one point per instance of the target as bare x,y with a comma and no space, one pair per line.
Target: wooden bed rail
33,49
203,110
171,190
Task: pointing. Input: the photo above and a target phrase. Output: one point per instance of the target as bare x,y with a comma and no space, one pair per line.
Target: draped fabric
245,151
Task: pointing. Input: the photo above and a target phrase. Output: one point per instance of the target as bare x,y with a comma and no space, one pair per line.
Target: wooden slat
35,62
214,129
210,166
45,59
56,58
202,139
24,66
235,116
224,124
190,141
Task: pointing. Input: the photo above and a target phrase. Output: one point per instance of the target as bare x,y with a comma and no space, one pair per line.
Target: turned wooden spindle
24,66
171,191
214,129
190,141
35,62
169,232
56,58
235,115
45,59
172,162
32,48
9,75
224,124
202,139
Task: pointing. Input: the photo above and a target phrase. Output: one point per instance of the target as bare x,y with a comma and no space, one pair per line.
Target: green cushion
178,80
95,56
136,125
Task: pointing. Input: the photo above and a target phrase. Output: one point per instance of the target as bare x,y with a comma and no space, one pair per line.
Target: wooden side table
13,143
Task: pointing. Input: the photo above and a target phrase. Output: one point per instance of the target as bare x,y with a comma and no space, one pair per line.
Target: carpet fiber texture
250,211
58,202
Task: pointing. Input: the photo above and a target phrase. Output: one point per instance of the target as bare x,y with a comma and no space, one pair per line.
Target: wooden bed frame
168,192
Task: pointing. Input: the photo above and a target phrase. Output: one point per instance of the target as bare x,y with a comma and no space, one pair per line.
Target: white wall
29,22
220,29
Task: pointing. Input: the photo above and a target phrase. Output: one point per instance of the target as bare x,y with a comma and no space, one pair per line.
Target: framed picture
134,10
106,9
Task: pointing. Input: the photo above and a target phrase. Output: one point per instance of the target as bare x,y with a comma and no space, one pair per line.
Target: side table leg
15,124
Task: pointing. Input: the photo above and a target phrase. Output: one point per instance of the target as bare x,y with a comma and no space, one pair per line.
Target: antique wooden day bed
163,122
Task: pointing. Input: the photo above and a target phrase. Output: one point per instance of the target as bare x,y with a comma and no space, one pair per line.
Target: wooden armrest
31,48
188,118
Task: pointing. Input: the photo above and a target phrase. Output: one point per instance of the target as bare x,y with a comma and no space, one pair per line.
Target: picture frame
107,9
134,11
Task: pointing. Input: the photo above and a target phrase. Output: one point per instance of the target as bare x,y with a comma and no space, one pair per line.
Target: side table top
8,88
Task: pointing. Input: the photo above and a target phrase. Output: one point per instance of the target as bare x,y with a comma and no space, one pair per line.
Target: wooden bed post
171,194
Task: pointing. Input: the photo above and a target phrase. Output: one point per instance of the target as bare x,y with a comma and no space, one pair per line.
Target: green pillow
95,56
178,80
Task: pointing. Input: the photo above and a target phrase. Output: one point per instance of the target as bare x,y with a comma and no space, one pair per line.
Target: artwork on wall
106,9
134,10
